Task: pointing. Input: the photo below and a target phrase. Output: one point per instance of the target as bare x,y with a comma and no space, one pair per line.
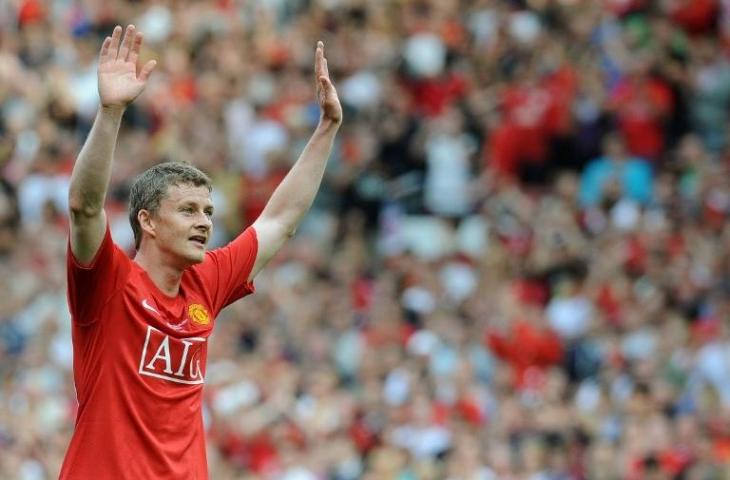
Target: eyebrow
192,203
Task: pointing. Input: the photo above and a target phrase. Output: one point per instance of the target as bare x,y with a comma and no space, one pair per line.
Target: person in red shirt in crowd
528,346
535,112
140,327
518,146
696,17
642,104
624,7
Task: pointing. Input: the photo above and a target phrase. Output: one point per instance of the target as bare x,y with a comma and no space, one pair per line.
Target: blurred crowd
517,266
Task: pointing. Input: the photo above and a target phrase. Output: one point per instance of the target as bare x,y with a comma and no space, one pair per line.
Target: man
140,327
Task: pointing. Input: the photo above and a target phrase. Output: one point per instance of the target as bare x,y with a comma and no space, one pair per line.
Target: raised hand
329,104
120,81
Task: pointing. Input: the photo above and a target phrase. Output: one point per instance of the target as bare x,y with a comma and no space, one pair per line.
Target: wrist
112,110
327,125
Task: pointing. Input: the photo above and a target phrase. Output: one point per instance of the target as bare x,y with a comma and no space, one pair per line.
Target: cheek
169,233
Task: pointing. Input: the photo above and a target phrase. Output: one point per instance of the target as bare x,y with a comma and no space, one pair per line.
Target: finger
136,47
104,52
114,44
147,70
319,60
126,43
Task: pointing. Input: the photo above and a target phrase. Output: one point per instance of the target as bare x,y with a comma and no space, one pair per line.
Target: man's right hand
119,83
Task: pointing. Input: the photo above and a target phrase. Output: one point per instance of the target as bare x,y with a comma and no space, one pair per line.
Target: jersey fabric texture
139,361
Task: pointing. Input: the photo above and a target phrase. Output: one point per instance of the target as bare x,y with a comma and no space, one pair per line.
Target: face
182,226
614,147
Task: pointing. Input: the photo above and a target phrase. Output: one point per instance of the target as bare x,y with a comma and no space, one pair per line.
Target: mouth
199,240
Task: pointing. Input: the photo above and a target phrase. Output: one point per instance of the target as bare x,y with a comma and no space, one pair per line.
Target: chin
197,258
194,257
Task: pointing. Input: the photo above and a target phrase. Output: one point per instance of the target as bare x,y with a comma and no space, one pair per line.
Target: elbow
78,207
290,232
287,229
83,213
288,224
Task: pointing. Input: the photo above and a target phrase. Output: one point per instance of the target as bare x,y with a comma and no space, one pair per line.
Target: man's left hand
329,103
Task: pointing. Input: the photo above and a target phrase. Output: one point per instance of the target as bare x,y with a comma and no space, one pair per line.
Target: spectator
570,324
616,174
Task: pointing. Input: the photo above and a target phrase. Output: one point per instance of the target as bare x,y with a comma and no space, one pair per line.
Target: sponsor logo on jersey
198,314
174,359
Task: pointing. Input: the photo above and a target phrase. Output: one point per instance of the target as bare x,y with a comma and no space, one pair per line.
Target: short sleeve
225,271
90,287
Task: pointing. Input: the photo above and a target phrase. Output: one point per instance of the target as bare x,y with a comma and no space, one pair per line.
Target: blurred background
517,266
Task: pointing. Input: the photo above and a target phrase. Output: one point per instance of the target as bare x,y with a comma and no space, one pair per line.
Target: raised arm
294,196
119,84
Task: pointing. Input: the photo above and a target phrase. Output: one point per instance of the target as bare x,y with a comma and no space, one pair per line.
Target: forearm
294,196
92,170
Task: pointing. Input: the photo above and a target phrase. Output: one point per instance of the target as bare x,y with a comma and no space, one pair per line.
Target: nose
204,222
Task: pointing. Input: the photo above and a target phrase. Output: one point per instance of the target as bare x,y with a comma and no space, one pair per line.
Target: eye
187,210
209,213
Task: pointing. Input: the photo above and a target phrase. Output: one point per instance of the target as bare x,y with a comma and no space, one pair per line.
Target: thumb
147,70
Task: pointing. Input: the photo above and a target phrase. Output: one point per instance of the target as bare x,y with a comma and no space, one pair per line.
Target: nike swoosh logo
177,326
149,307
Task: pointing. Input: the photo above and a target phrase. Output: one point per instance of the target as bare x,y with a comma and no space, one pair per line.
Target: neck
164,275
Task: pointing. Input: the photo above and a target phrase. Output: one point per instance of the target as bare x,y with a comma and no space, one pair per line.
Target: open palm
329,103
119,80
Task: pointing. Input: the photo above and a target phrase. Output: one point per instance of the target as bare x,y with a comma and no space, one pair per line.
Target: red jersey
641,109
139,361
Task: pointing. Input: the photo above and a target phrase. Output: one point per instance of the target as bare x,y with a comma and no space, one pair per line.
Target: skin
119,84
167,248
178,232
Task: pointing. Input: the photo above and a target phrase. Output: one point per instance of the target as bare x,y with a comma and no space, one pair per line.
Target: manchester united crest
198,314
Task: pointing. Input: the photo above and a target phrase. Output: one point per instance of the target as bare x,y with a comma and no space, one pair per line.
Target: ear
147,222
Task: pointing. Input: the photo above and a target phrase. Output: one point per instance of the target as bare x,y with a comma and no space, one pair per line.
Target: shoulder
109,257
